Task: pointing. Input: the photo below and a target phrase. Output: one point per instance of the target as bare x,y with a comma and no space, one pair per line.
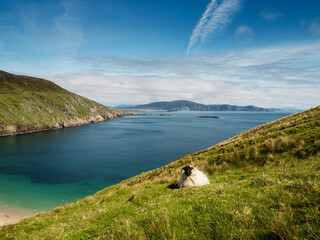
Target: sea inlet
43,170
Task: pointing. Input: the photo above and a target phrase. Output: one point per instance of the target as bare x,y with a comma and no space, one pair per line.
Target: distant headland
184,105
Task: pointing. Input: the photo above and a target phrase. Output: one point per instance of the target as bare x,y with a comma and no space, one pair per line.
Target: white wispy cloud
286,76
270,15
67,31
216,16
202,22
244,30
28,12
315,27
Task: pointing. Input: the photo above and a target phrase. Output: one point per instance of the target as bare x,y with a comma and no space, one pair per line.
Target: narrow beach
11,217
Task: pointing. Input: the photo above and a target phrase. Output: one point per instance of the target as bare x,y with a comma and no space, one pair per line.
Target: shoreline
8,217
14,131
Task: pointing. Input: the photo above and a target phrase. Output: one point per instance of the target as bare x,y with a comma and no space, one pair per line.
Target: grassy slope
31,101
265,183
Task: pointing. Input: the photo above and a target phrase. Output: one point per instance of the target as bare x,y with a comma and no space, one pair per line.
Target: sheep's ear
182,170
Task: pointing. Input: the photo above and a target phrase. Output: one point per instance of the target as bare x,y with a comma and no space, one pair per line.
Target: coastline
13,130
9,215
12,217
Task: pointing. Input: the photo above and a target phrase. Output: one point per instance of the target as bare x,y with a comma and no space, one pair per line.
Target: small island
207,117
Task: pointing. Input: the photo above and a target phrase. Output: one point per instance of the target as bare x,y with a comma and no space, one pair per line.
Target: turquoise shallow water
43,170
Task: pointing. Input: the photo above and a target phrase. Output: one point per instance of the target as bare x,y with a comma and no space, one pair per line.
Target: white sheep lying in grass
192,177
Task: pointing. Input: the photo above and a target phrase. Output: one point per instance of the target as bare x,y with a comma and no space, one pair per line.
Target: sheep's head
187,170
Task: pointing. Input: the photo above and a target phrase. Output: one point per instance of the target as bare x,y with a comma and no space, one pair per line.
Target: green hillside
265,184
30,104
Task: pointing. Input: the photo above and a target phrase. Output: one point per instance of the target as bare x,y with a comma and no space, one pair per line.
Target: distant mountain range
184,105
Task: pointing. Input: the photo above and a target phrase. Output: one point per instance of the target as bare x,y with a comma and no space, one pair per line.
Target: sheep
192,177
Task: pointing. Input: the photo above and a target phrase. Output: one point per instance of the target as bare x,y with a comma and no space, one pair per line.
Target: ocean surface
43,170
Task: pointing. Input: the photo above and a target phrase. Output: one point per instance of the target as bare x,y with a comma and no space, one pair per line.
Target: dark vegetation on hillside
11,83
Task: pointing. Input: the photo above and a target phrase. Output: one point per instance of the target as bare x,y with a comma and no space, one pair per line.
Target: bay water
43,170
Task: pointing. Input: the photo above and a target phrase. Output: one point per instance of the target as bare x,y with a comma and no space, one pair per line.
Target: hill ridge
186,105
31,104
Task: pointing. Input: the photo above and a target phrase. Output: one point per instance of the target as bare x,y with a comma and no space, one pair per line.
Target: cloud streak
283,76
315,27
66,30
270,15
202,22
244,30
214,19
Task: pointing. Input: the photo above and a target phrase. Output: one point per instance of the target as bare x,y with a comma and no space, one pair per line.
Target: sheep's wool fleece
197,178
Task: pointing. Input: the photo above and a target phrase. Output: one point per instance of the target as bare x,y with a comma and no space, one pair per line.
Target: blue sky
264,53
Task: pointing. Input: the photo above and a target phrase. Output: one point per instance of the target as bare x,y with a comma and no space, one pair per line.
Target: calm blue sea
43,170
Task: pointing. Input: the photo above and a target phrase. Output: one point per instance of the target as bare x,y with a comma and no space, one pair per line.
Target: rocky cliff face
30,105
17,129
